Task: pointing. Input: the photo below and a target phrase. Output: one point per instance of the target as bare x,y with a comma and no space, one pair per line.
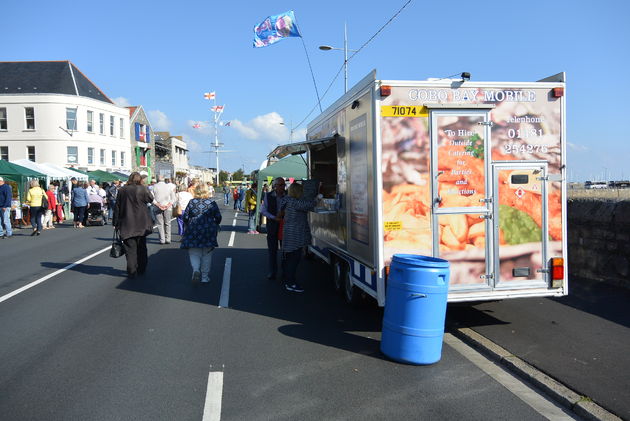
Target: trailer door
520,224
462,208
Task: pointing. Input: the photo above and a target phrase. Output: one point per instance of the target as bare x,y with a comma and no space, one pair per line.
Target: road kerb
580,405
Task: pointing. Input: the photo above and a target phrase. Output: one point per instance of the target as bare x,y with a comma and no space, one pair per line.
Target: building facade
51,112
171,154
141,146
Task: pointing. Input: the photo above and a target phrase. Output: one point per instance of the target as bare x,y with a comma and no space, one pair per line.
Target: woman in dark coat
201,225
133,221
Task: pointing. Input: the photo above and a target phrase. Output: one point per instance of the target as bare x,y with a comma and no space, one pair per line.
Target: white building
171,155
51,112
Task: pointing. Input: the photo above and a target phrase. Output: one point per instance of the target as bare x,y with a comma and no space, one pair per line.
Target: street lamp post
345,56
290,130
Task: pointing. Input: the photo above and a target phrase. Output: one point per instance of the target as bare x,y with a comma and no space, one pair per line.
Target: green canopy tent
292,166
18,177
103,176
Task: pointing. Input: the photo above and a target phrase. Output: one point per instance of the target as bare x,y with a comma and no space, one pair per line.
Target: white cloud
265,127
159,120
121,101
575,147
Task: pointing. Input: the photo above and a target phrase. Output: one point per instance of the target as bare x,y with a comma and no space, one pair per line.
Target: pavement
579,341
91,344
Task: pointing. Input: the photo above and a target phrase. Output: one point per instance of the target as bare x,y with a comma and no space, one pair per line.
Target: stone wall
599,240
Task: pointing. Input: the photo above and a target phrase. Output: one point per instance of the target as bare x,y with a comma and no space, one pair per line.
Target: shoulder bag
44,200
118,248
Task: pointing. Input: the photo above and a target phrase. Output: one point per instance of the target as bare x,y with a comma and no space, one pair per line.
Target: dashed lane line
224,300
214,393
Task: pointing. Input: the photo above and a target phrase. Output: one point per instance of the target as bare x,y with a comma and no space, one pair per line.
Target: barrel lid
419,260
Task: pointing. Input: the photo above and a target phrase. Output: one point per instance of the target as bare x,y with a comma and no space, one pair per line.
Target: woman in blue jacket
79,203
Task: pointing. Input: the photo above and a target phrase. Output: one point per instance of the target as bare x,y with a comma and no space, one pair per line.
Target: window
90,121
122,158
72,154
71,118
90,155
3,118
122,128
111,125
4,153
101,120
29,113
30,150
113,158
102,160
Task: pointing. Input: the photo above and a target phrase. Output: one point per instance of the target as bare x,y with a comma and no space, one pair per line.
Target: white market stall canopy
68,173
51,173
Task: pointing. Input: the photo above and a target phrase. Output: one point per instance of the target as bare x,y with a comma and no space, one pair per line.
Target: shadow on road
86,269
609,302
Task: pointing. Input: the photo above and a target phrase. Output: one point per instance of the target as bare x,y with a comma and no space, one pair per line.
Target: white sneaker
205,280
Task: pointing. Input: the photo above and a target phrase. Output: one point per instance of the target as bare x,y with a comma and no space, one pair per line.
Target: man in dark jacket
271,210
6,195
133,221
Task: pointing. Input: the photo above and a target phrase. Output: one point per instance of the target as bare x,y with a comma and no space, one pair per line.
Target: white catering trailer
471,172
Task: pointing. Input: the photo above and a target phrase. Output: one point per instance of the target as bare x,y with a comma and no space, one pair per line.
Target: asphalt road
581,340
90,344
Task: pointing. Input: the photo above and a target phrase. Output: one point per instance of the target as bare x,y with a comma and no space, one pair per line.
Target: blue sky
165,55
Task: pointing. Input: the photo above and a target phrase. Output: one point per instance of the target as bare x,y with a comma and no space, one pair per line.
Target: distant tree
223,176
238,175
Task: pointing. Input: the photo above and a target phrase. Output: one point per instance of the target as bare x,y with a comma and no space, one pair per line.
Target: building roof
47,77
131,111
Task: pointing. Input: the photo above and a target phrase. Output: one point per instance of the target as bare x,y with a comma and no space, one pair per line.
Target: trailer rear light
557,271
558,92
386,90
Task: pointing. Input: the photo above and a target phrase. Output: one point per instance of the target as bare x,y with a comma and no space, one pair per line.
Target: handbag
44,201
177,211
117,249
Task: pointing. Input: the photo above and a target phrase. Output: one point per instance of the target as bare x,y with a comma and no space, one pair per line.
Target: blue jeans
36,217
251,223
110,209
226,199
5,215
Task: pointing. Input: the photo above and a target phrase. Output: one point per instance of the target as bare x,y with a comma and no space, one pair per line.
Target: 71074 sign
404,111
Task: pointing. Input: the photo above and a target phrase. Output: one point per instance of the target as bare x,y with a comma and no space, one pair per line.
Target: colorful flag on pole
225,123
275,28
196,126
210,95
217,108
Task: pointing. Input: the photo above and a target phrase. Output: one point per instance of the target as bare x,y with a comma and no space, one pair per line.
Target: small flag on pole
275,28
196,126
225,123
210,95
217,108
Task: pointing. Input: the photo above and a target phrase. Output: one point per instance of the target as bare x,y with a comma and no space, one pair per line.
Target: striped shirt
296,231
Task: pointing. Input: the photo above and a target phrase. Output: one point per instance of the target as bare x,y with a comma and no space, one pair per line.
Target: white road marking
55,273
214,393
234,223
225,288
231,242
538,402
236,214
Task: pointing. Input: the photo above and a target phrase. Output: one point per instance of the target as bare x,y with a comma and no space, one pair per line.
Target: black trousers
136,254
272,248
290,262
36,217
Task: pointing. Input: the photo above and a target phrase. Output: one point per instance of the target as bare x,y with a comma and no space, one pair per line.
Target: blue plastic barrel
415,309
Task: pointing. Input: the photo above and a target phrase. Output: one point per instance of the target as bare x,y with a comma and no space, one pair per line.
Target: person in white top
164,198
93,188
183,197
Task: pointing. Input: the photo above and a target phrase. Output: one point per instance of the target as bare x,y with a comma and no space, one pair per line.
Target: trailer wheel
339,269
352,294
